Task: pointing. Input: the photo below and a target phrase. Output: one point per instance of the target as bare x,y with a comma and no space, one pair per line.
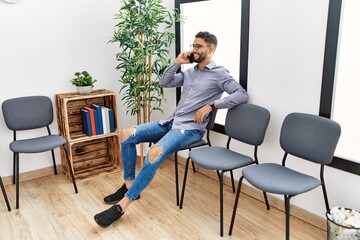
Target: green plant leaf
139,34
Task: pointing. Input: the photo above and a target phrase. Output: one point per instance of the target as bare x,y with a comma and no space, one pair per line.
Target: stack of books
96,120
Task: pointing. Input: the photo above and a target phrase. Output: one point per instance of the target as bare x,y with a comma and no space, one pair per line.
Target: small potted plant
83,81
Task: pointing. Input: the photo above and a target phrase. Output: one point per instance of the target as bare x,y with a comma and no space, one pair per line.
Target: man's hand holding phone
185,58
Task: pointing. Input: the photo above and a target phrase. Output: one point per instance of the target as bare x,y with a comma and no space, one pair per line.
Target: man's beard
201,58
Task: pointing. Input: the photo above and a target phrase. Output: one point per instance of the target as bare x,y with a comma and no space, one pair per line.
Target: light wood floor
49,209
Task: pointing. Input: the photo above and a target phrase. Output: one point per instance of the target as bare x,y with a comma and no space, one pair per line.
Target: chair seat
194,145
223,158
275,178
37,145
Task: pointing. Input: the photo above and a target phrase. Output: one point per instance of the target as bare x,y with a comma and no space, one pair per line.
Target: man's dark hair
208,37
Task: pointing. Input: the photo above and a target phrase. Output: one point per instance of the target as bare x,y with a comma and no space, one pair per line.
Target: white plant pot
84,89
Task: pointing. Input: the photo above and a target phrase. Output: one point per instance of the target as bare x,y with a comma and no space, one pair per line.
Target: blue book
111,120
92,119
85,122
98,119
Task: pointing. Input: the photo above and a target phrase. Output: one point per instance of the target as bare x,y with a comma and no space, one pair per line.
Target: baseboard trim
274,202
33,174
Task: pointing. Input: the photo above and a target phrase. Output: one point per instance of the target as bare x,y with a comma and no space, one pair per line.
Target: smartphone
191,58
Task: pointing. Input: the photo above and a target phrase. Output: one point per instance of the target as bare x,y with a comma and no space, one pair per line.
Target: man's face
200,49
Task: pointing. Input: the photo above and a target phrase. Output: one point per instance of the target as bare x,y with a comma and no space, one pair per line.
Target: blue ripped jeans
170,141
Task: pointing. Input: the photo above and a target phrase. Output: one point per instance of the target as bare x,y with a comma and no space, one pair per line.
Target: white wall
287,40
44,42
286,51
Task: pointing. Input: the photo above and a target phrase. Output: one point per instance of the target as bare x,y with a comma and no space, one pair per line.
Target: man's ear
212,49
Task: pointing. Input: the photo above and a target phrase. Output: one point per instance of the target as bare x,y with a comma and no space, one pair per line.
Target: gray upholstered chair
4,193
307,137
30,113
246,123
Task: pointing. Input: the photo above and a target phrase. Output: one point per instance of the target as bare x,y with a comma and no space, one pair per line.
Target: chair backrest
31,112
247,123
311,137
212,117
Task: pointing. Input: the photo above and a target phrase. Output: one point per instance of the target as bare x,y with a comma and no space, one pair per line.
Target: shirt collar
209,66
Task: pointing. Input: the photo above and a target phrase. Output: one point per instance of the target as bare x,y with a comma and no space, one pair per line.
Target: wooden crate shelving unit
89,155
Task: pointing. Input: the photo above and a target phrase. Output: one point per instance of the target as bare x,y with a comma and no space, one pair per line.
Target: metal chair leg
221,204
14,170
324,188
4,193
54,163
193,167
184,183
287,212
176,180
325,197
232,181
193,164
235,205
70,168
17,179
266,201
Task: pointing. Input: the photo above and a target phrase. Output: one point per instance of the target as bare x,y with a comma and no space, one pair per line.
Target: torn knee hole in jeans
126,133
154,153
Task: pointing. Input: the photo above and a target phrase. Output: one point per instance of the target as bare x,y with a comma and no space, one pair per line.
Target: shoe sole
116,201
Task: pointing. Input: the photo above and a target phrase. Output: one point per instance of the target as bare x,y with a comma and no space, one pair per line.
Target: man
203,87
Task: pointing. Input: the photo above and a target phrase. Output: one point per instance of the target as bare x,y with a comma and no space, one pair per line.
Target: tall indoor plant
144,34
